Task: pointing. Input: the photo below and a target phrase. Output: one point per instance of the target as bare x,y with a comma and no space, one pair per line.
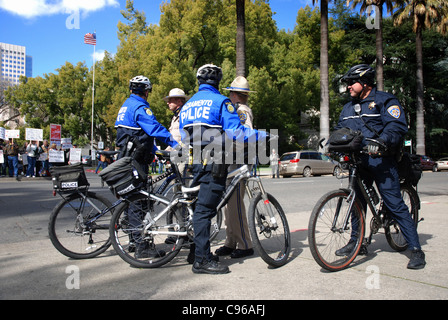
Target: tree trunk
324,92
420,127
379,51
240,39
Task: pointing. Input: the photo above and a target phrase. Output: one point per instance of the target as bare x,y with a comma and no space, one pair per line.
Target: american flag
90,38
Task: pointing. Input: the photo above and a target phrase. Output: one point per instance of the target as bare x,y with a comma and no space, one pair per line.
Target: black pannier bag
345,140
124,176
409,168
69,178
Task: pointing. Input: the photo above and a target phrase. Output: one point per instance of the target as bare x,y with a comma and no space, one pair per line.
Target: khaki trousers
237,230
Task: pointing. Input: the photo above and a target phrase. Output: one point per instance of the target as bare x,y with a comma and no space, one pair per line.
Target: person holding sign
12,151
32,150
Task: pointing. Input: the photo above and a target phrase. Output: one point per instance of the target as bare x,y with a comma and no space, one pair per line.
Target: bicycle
267,223
79,224
339,216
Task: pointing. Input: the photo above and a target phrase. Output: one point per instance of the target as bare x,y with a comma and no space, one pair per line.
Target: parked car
441,164
307,163
427,163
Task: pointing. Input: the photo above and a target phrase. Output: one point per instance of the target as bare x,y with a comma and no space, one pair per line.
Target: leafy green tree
424,14
365,4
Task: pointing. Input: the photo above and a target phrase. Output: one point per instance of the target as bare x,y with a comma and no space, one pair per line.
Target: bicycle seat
190,190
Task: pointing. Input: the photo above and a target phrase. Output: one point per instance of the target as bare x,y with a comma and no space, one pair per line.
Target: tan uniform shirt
245,114
174,127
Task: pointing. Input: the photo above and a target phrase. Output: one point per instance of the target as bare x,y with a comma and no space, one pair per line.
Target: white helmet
140,84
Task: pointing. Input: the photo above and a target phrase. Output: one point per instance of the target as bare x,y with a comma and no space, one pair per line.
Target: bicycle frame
241,173
356,179
376,207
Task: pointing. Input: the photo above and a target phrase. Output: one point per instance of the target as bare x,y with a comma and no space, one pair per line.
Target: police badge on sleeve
148,111
230,107
394,111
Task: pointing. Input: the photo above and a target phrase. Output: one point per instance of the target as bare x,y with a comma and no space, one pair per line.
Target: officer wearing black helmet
210,118
135,120
379,116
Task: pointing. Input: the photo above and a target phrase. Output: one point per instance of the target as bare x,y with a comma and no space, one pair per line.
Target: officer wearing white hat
175,100
239,91
238,243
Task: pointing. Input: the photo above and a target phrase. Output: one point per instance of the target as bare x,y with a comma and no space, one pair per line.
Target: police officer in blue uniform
136,120
210,118
379,116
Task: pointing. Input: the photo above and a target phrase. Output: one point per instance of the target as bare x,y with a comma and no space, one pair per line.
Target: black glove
376,147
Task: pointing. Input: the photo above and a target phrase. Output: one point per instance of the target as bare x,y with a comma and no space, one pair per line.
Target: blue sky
53,31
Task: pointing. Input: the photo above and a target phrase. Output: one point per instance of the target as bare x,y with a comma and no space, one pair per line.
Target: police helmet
361,73
209,74
140,84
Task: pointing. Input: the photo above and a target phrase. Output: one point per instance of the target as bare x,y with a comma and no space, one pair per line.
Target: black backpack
409,168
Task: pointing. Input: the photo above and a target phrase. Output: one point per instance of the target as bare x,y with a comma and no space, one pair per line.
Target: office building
14,63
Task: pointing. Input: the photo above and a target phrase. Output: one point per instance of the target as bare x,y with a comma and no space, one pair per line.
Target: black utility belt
218,170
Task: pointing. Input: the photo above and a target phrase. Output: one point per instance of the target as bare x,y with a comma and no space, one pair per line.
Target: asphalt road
33,269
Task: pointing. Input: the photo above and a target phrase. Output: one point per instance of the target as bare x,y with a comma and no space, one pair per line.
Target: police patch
230,107
148,111
394,111
243,117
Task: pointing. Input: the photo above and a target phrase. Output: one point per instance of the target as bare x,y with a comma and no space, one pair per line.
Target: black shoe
224,251
240,253
148,253
417,260
210,267
346,250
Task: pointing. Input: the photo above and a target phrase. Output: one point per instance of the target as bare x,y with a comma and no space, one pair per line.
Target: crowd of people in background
32,159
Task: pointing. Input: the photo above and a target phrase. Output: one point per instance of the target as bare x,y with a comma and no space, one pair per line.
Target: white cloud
99,55
36,8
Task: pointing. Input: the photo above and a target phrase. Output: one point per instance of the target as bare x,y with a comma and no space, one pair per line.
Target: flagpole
93,102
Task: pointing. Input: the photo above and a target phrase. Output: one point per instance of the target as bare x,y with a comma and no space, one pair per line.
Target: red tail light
294,161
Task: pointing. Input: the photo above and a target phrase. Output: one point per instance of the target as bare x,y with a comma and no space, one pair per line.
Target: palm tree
424,14
240,39
324,90
379,33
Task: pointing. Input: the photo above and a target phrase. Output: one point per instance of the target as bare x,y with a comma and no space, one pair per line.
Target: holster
219,170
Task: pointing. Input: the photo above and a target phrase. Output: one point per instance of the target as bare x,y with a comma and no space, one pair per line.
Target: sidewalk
35,270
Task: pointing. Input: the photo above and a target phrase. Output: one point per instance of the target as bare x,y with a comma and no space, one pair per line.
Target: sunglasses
351,82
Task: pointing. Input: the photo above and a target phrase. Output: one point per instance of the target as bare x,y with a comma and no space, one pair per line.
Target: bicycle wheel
270,235
392,230
77,227
327,232
140,248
